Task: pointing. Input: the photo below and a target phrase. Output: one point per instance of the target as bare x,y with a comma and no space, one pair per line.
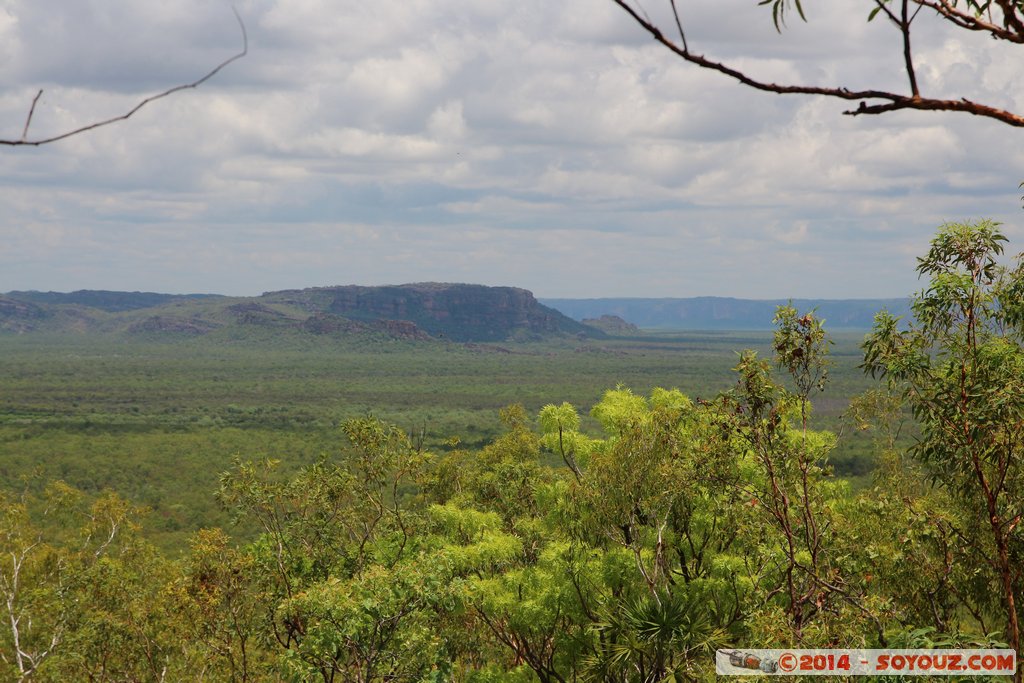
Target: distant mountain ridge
419,311
106,300
724,313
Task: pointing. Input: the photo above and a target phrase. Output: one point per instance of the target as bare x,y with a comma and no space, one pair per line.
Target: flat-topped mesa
460,312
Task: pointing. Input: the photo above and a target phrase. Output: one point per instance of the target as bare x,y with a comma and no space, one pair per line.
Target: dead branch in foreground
24,140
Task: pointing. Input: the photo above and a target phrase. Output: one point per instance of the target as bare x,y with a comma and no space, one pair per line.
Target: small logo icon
745,660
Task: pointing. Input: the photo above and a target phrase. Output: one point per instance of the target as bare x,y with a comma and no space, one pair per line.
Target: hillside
423,311
612,324
721,313
105,300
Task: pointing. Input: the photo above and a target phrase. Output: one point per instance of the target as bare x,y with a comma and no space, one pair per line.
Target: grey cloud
118,45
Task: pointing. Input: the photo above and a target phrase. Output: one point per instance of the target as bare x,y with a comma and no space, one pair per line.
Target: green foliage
373,627
801,348
560,429
479,542
83,597
655,639
220,593
779,9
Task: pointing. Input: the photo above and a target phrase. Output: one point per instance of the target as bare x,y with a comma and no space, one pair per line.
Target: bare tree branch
872,102
23,140
908,60
31,111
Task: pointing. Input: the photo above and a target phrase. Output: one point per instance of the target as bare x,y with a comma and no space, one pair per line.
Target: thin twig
679,25
31,111
892,17
137,107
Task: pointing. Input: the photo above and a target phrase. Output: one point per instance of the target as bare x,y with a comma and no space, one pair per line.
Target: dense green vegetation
555,551
157,423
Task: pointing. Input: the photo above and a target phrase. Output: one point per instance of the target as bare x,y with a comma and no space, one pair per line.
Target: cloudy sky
537,143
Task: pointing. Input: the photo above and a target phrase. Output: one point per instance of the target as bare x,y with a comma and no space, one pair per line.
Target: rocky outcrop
19,316
252,313
401,329
325,323
612,324
165,324
13,308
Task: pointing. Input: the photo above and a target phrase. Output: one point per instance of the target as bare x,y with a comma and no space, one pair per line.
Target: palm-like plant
653,639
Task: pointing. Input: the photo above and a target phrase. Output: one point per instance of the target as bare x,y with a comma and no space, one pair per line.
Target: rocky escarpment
463,313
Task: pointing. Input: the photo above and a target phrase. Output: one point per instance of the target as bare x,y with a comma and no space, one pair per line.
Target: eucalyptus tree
959,363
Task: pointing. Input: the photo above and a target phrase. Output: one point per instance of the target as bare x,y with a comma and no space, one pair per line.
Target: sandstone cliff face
463,313
328,323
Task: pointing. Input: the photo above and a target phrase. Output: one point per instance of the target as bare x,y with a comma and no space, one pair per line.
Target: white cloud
447,122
